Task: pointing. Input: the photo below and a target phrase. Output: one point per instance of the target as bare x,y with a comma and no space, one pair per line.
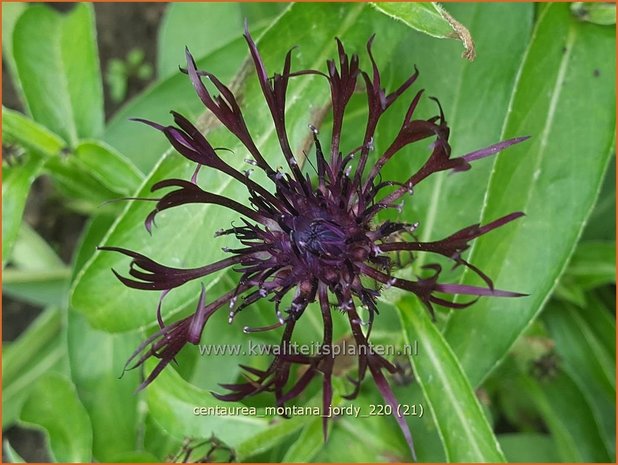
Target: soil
120,28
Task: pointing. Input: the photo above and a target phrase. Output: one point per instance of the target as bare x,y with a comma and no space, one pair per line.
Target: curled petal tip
370,41
190,59
515,294
152,124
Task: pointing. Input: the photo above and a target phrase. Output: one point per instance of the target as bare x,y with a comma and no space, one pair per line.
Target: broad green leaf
602,221
601,320
261,14
603,13
53,405
90,294
370,445
206,27
311,439
546,177
95,229
203,27
41,287
10,14
528,447
111,402
20,129
17,180
509,402
463,427
308,443
57,62
81,190
91,174
107,166
131,138
39,350
268,438
593,264
172,402
429,18
588,363
36,274
33,253
568,417
11,455
568,291
158,441
427,440
135,457
377,437
475,98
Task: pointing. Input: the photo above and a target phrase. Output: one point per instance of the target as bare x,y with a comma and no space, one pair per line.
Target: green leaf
528,447
587,361
37,287
601,321
560,402
172,402
57,61
107,311
545,177
81,190
39,350
111,402
376,438
94,231
261,14
593,264
370,445
135,457
33,253
54,406
10,14
602,221
107,166
36,273
308,443
462,425
130,137
20,129
94,172
17,180
429,18
597,13
158,442
475,97
268,438
311,439
203,27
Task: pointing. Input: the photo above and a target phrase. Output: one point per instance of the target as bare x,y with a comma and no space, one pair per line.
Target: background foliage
529,379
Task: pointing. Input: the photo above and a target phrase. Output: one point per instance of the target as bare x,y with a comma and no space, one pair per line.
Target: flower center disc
319,237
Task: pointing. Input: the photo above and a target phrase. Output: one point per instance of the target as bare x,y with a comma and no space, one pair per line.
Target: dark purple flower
318,240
